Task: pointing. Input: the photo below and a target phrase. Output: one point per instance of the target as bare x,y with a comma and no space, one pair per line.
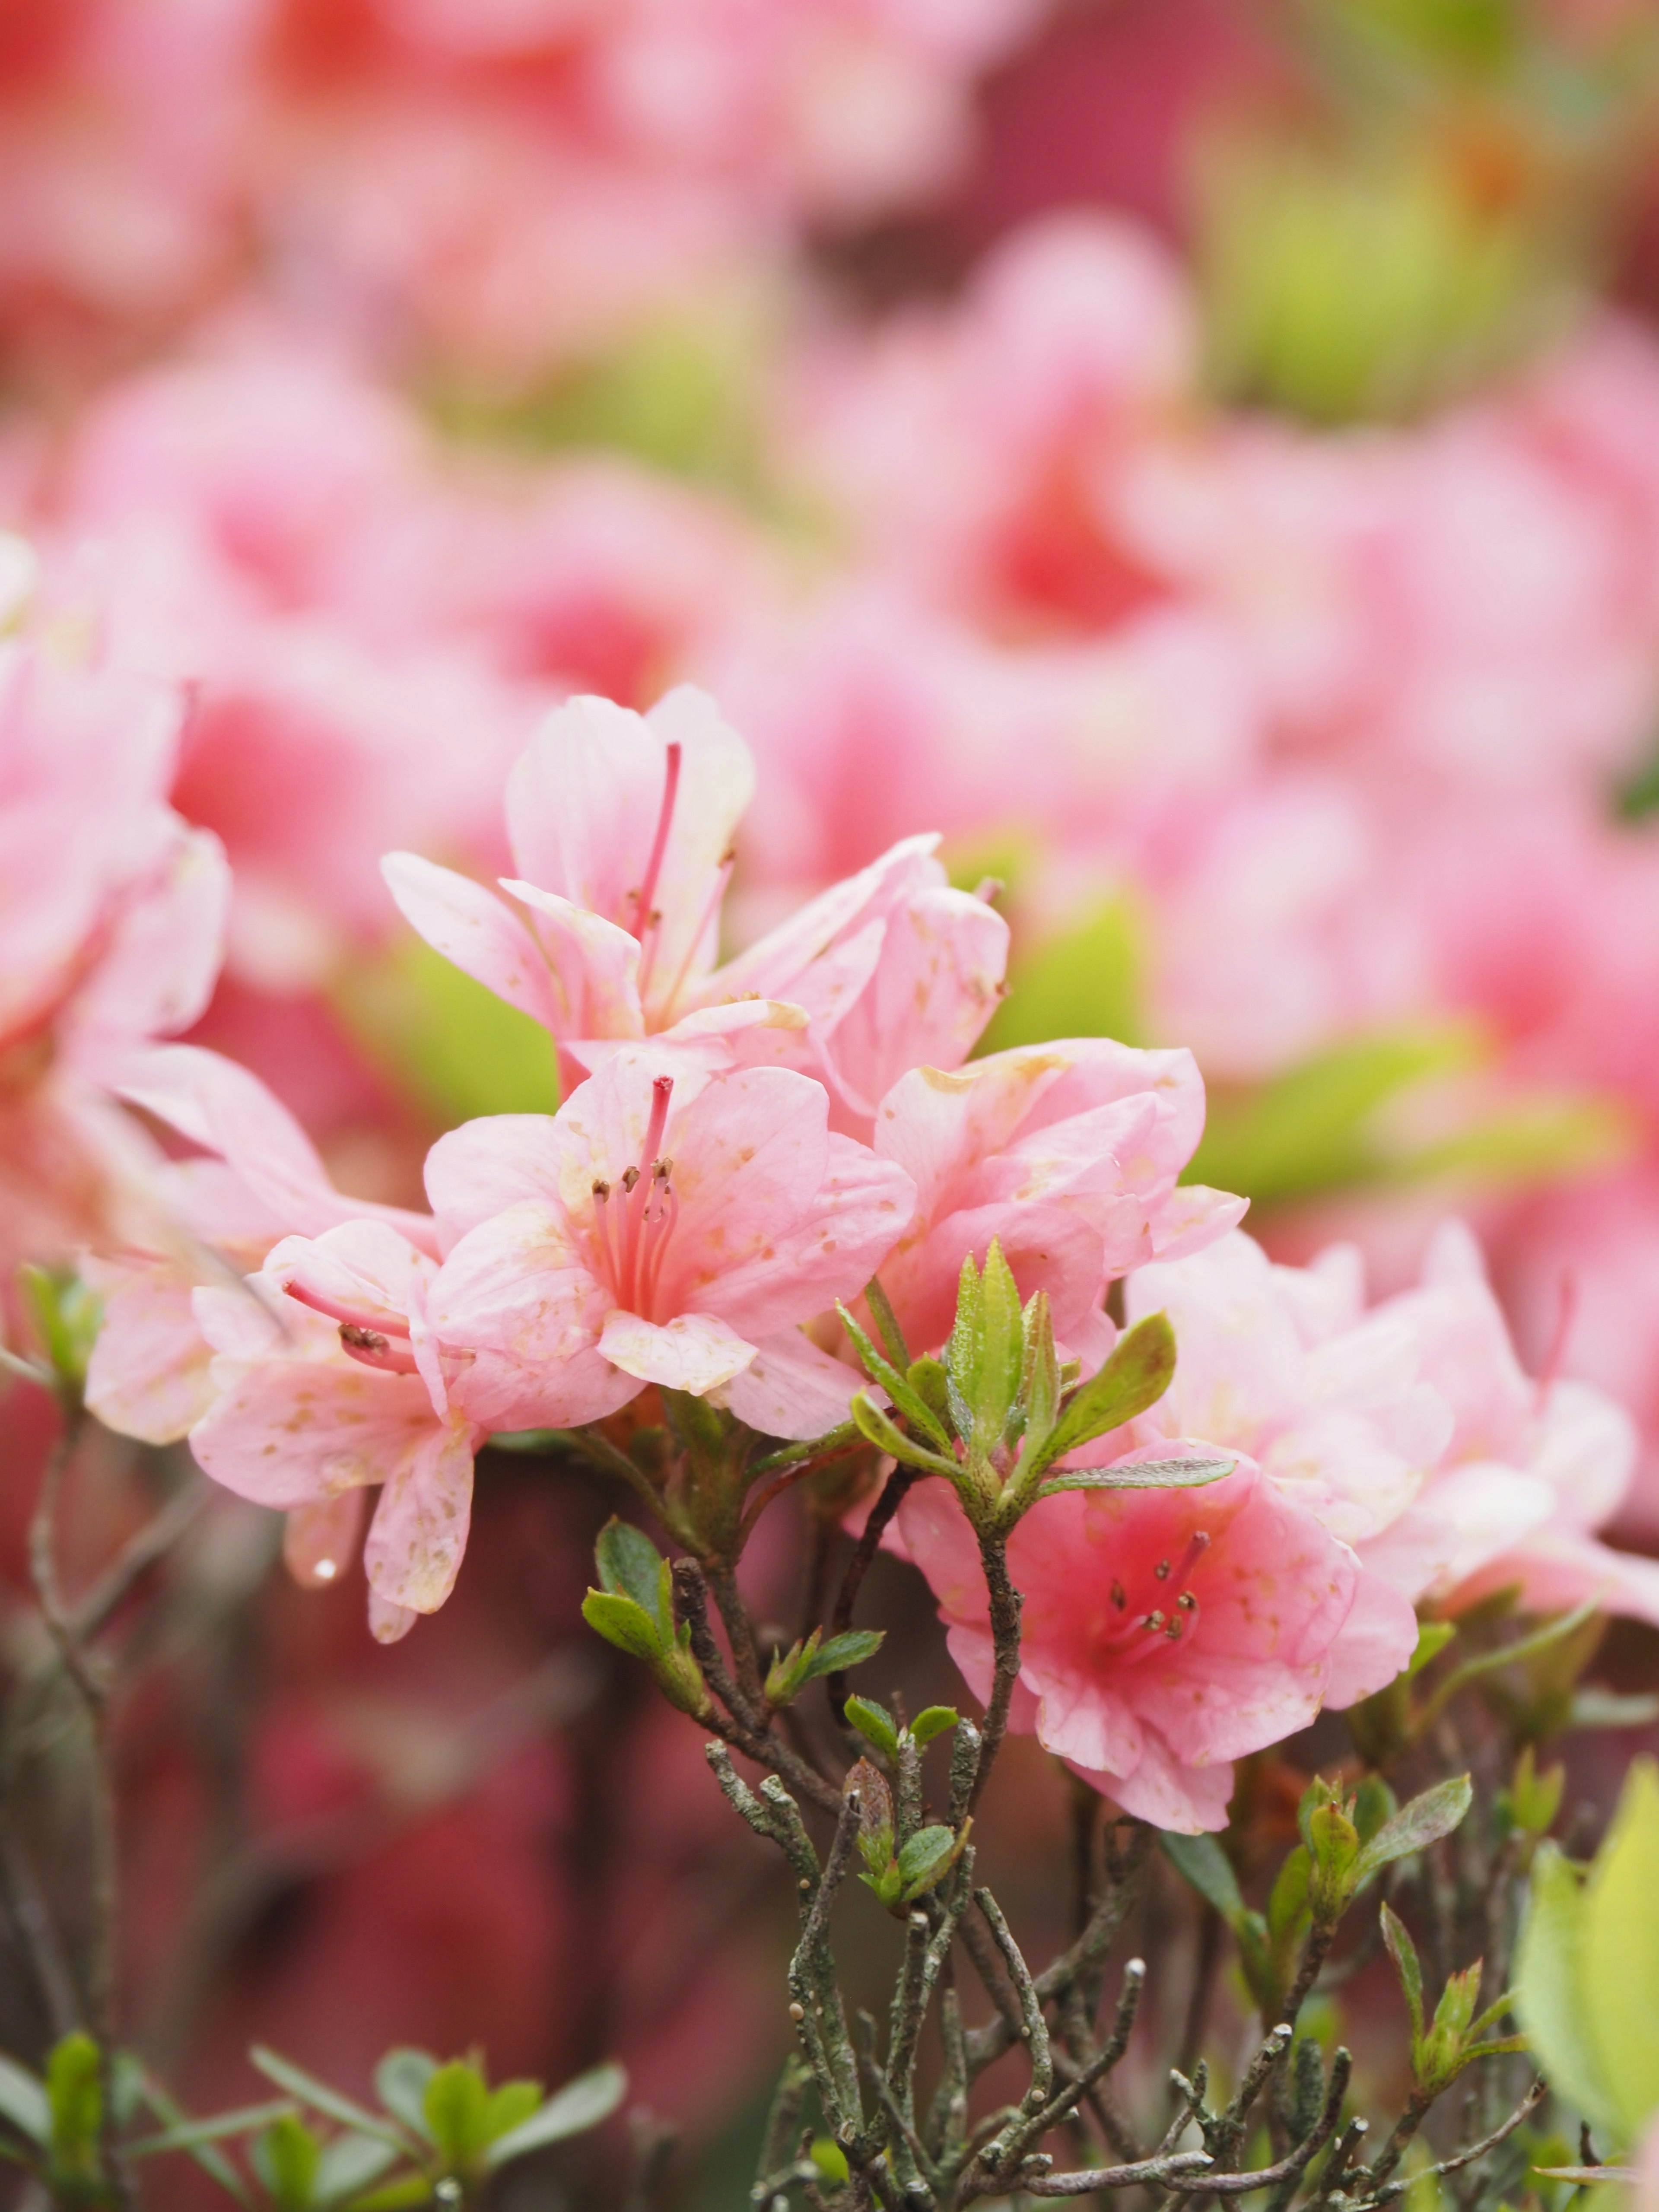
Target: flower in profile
328,1381
668,1225
622,827
1068,1154
1165,1632
112,922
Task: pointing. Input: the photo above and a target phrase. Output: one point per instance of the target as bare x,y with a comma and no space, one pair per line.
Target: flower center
635,1216
1155,1608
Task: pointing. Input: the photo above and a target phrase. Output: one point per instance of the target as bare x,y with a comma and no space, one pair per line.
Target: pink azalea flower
260,1179
1167,1632
666,1226
328,1380
622,828
1409,1431
111,918
1068,1153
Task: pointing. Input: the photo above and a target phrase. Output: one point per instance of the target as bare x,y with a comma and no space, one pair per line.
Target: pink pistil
646,920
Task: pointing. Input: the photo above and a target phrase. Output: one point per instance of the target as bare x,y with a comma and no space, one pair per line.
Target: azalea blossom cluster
742,1146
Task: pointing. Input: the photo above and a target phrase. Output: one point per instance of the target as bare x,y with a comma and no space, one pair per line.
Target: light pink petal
693,1352
148,1375
471,927
847,1230
1560,1568
778,965
163,954
1489,1508
516,1301
1587,1453
1193,1217
250,1321
288,1432
594,964
791,1389
415,1540
939,1125
487,1165
1191,1801
750,1152
388,1623
1376,1643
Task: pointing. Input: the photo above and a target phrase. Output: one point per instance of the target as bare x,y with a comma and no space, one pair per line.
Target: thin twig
1393,2190
875,1527
1161,2172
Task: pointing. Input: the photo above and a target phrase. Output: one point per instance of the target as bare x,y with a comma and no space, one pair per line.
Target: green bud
1333,1850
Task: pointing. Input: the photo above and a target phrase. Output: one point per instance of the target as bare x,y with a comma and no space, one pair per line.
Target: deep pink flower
622,826
1166,1632
666,1226
1068,1153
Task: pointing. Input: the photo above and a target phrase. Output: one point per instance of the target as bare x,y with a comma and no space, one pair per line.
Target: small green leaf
75,2095
875,1724
581,2105
1139,1372
400,2083
831,2159
23,2102
1374,1805
208,2156
1289,1899
1619,1966
1140,1474
323,2098
932,1720
908,1402
350,2164
923,1859
1435,1813
1206,1866
456,2105
623,1623
630,1564
399,2195
927,1378
285,2157
511,2105
887,1322
874,1426
850,1649
1403,1952
1432,1637
1550,2000
187,2134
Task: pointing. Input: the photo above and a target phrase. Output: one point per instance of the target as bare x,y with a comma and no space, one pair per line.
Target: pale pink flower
328,1380
111,918
666,1226
1409,1431
1165,1632
622,826
1068,1154
260,1179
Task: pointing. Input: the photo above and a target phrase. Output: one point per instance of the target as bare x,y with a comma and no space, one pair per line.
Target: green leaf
1432,1637
927,1378
875,1724
1403,1952
1550,2000
874,1426
349,2164
932,1720
1435,1813
208,2156
76,2096
581,2105
1140,1474
1084,981
1002,1349
410,2189
924,1856
511,2105
323,2098
456,2105
400,2083
1040,1384
962,1347
435,1032
831,2159
630,1565
1139,1372
909,1401
23,2102
1620,1958
187,2135
285,2158
1289,1900
887,1322
851,1648
623,1623
1374,1805
1201,1860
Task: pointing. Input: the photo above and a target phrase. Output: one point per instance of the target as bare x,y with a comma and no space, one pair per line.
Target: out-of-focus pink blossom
327,1380
111,918
1166,1632
622,827
666,1226
1068,1154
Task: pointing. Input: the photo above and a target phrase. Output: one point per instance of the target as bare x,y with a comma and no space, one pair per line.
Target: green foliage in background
444,1040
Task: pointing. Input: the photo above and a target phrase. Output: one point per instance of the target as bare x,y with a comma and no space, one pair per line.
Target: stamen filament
645,919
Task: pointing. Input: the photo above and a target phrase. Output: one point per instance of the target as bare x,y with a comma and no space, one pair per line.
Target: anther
630,1176
1118,1598
1153,1621
1173,1631
364,1339
1187,1602
601,1189
1161,1571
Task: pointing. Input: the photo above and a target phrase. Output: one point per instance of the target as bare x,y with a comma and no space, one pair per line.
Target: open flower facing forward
1068,1154
622,827
668,1226
328,1381
1165,1632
